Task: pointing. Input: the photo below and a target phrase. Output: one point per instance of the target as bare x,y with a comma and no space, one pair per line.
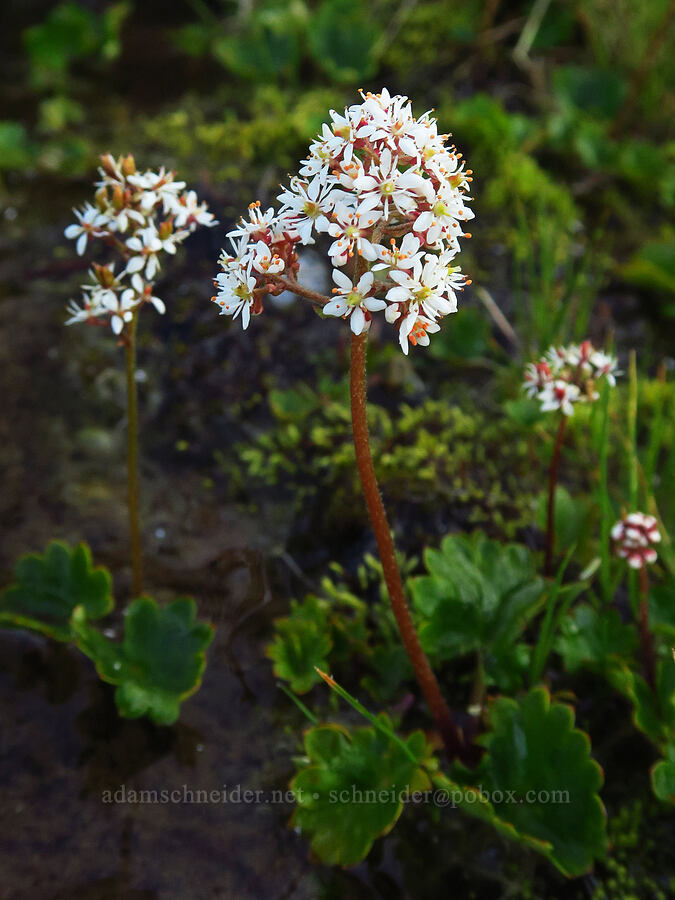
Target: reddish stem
646,639
294,287
552,482
452,737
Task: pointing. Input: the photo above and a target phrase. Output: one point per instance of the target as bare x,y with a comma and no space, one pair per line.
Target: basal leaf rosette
48,586
598,639
353,787
302,644
541,781
159,662
479,596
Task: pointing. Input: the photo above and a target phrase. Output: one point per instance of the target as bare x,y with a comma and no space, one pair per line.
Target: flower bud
165,229
128,165
119,200
104,275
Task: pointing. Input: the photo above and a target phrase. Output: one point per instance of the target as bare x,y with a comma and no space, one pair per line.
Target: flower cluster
634,537
141,215
391,195
567,375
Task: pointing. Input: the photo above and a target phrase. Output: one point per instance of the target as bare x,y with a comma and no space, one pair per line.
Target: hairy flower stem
552,483
452,738
646,639
132,459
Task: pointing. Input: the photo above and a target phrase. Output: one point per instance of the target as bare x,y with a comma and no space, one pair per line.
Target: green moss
276,125
434,455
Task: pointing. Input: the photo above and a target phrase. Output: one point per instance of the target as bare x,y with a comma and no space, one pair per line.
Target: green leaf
352,787
268,46
47,587
479,596
159,662
294,404
571,516
466,336
663,776
534,751
593,90
596,639
662,611
68,32
343,37
652,267
526,411
302,643
16,151
653,710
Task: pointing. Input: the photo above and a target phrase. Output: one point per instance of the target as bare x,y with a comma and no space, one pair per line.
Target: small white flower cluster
567,375
139,214
391,195
634,537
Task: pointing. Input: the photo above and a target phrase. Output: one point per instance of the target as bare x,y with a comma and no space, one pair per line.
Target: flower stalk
552,485
132,459
451,736
648,655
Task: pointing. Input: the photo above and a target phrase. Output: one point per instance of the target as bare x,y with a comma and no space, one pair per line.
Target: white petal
373,304
81,245
117,324
342,281
357,320
335,308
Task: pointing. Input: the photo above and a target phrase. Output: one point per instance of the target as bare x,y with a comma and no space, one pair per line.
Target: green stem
132,459
452,737
552,483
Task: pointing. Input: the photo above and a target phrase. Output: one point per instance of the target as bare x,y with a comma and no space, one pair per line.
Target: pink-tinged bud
108,165
128,165
634,538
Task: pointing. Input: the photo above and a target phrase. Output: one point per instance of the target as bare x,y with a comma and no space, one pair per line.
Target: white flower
235,294
426,286
349,228
605,365
259,223
306,205
351,301
263,260
141,291
440,221
416,329
384,183
395,257
560,395
187,210
91,222
536,377
145,245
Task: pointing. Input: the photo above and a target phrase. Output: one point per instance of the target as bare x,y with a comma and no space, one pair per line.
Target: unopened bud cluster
140,215
391,195
635,536
566,376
